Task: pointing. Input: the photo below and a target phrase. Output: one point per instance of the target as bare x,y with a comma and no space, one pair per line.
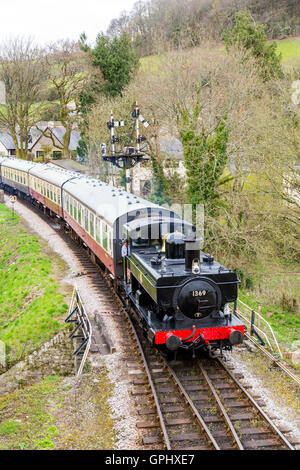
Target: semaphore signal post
130,155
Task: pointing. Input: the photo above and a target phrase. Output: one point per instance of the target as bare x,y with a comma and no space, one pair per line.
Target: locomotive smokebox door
198,298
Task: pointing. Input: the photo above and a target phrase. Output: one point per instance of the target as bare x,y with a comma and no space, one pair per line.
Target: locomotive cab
180,292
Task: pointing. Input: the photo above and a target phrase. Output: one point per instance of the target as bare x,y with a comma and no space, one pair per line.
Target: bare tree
68,74
23,73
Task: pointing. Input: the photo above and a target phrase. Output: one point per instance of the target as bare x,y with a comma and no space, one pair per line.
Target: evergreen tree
82,150
252,36
205,158
117,61
159,191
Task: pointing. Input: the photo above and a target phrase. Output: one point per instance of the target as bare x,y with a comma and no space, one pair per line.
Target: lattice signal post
130,155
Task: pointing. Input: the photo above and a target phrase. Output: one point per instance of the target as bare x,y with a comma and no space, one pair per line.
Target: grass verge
31,303
58,413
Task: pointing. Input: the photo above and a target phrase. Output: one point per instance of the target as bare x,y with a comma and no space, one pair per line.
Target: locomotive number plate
199,293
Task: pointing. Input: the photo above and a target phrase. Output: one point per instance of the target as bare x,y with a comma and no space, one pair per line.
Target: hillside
156,23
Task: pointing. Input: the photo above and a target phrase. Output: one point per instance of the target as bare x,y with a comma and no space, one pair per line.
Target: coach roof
105,200
57,176
17,164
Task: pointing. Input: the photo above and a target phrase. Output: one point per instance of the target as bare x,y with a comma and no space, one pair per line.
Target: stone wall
54,358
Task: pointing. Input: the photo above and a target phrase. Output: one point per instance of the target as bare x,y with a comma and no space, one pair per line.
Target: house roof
7,140
36,134
59,132
171,146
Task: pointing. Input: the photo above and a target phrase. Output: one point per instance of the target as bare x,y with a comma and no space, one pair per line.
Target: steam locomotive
180,294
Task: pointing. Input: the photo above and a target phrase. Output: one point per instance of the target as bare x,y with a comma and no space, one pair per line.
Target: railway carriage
180,295
14,174
46,184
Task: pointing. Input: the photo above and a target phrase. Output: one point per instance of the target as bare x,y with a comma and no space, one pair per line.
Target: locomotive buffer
130,155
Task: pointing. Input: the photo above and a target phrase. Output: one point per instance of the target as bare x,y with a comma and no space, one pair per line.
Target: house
7,146
39,145
45,146
142,175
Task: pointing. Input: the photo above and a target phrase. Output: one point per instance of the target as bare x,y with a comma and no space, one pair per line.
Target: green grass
31,305
46,416
276,293
26,420
290,50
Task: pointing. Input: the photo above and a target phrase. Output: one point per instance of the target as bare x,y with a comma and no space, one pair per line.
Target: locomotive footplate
191,331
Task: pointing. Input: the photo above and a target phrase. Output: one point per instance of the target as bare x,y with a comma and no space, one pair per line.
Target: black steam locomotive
181,295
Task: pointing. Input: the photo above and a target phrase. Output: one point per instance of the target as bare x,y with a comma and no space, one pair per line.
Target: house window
40,154
145,187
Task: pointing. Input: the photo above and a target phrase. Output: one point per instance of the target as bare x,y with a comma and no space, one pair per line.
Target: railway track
198,405
188,404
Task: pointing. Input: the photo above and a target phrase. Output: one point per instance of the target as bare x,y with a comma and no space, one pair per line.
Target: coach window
92,225
71,206
86,220
75,209
79,214
109,239
98,230
104,235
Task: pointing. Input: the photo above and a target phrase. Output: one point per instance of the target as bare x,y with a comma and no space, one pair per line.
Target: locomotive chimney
192,253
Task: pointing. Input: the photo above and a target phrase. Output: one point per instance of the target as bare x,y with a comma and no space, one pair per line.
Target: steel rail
192,406
221,407
259,409
160,415
282,366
